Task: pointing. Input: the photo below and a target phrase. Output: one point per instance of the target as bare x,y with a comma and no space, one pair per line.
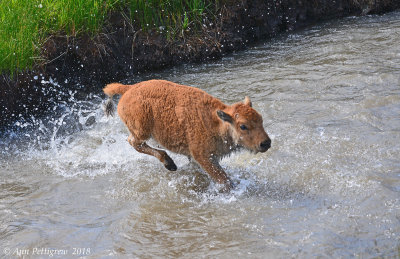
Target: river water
329,186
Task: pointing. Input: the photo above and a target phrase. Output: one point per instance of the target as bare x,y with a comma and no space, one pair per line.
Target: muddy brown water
70,185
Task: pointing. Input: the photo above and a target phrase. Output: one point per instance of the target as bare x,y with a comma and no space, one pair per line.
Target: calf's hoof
227,187
169,164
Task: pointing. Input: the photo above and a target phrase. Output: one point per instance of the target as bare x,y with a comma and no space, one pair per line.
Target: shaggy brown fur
188,121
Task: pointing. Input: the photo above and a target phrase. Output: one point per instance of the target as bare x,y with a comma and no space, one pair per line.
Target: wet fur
185,120
109,108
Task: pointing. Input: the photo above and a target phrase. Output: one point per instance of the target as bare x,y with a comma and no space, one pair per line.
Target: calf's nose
265,145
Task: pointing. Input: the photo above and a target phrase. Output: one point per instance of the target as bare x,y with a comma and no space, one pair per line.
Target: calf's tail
111,90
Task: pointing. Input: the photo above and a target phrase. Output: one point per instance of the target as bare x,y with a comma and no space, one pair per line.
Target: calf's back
176,116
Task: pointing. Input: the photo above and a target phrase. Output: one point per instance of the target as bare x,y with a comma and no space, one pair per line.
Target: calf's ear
224,116
247,101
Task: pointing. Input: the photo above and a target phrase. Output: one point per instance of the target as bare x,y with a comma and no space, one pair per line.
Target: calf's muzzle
265,145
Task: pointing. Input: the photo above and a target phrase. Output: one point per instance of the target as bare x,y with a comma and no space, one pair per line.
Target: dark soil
86,64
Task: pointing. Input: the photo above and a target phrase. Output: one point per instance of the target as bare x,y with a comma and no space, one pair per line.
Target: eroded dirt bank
86,63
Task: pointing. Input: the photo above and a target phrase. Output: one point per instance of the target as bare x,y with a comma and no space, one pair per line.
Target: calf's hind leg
142,147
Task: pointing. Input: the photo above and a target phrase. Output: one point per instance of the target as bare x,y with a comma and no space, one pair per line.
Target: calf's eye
243,127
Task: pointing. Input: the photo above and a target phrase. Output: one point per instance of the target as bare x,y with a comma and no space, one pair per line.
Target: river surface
71,185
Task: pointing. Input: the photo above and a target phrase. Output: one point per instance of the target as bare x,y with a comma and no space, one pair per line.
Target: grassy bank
26,24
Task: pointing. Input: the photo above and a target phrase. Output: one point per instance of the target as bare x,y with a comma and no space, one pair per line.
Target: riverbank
87,63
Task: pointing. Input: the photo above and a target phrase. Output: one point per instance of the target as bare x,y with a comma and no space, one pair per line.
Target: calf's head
245,125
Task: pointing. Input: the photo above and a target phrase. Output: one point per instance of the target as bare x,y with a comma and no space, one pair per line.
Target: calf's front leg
212,167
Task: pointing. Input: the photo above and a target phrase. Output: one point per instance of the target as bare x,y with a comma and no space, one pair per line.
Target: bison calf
188,121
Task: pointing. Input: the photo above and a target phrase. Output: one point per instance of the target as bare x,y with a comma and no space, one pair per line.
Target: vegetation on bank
25,25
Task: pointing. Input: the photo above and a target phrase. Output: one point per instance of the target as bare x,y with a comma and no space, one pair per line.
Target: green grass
173,16
19,34
26,24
